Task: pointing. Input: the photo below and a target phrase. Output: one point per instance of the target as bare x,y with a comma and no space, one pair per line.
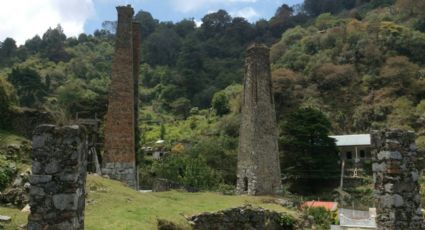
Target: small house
354,148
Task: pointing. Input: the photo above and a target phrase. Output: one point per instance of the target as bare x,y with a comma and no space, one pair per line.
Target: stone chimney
258,158
119,161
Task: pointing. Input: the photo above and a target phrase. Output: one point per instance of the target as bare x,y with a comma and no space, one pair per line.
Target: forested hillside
361,63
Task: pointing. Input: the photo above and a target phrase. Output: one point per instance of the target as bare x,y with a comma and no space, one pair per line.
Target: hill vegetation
361,64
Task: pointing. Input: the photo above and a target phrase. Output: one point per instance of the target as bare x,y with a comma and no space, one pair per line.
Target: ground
111,205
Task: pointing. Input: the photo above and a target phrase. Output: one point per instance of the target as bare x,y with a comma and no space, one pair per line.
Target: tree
7,99
310,155
147,23
33,45
317,7
220,103
181,107
185,27
214,24
162,47
281,20
8,50
28,85
53,44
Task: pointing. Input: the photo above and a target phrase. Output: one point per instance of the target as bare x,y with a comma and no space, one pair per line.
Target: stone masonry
397,197
246,217
119,160
57,193
258,158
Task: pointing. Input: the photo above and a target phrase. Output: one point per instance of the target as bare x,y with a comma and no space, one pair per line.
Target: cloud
248,12
23,19
192,5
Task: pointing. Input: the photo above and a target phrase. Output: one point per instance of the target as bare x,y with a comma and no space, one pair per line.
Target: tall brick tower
119,160
258,158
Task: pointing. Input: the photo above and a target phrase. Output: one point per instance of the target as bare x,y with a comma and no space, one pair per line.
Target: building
354,148
328,205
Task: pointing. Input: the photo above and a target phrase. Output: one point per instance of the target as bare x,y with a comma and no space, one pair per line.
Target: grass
18,218
8,138
110,205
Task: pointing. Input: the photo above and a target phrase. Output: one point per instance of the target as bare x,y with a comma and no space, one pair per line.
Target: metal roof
352,140
357,219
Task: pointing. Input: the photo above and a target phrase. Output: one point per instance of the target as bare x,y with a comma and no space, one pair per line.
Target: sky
23,19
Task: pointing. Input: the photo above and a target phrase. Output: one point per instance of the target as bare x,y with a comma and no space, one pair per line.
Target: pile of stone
246,217
18,194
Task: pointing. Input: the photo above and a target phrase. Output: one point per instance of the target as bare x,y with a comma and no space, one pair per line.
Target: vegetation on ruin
111,205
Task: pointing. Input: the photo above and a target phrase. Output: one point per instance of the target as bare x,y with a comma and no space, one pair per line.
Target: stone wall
57,192
24,120
242,218
258,158
397,197
119,160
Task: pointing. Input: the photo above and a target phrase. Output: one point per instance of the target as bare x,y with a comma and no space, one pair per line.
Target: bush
7,171
287,221
322,217
191,171
220,103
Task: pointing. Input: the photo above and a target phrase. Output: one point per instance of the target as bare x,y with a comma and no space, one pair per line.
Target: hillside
354,66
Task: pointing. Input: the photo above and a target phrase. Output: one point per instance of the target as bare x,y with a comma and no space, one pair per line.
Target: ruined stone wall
245,217
397,197
258,158
119,160
57,192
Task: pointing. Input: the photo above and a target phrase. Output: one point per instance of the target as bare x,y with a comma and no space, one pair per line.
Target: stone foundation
57,193
245,217
398,202
125,172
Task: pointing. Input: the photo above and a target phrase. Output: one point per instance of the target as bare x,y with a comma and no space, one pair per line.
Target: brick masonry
57,193
119,160
397,198
258,158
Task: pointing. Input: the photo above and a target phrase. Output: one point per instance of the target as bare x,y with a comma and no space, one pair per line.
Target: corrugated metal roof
352,140
332,206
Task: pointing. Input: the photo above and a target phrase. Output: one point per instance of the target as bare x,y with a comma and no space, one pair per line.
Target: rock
65,201
26,209
5,218
38,179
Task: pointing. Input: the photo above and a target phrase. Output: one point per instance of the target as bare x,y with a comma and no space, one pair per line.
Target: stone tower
397,197
119,160
258,158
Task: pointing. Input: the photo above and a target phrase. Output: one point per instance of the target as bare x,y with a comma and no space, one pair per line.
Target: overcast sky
23,19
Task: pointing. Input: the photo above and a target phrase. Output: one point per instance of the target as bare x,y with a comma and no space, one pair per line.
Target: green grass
18,218
110,205
8,138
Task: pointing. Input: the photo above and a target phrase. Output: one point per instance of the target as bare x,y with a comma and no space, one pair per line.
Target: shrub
322,217
7,171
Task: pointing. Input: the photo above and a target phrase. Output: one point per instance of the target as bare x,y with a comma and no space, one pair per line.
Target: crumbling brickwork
258,158
119,160
57,193
396,181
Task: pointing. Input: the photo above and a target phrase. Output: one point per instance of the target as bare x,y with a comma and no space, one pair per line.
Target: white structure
353,148
355,220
